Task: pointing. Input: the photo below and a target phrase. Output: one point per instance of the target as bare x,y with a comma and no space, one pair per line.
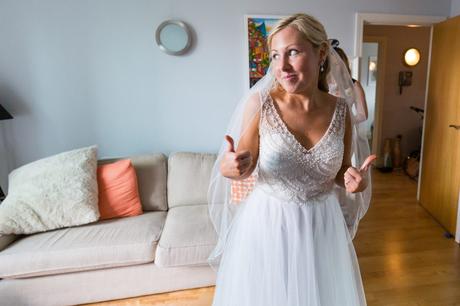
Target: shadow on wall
8,129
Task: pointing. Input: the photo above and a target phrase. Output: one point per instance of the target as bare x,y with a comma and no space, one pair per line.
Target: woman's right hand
235,165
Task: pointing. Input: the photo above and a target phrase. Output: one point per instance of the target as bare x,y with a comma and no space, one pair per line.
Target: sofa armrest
5,240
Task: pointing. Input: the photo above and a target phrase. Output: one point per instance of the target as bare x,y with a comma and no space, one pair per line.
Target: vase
387,162
397,152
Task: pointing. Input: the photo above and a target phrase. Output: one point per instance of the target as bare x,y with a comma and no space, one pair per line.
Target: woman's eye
293,52
275,56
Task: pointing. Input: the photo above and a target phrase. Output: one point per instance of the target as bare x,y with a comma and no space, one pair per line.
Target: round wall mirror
173,37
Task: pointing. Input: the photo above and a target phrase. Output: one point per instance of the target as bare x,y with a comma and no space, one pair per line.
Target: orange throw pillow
241,189
118,191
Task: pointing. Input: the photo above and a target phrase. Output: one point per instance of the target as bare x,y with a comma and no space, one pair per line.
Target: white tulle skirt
283,254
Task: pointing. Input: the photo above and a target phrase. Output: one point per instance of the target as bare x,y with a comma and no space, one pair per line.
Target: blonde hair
313,31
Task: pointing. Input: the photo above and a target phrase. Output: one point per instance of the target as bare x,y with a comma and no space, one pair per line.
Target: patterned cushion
54,192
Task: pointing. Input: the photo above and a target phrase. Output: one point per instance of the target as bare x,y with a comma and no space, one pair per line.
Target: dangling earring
321,67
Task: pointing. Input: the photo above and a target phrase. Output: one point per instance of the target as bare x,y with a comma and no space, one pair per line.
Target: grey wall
75,73
455,8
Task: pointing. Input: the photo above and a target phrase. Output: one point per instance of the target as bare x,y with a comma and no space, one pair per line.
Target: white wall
455,8
75,73
369,49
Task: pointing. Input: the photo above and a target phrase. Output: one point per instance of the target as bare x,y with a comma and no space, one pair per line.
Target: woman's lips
289,77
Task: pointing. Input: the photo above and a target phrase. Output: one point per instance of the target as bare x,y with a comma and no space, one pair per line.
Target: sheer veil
222,203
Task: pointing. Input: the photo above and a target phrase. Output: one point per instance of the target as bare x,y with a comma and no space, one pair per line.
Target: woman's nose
285,65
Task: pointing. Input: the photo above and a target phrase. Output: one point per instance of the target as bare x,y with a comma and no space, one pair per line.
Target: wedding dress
288,243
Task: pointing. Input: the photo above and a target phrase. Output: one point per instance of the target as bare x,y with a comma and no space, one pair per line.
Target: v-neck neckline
288,131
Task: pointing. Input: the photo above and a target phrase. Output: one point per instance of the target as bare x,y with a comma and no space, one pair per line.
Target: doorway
430,21
387,79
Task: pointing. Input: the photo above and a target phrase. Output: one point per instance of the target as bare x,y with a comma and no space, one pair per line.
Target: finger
243,167
347,179
351,186
353,172
369,160
231,145
245,163
350,180
243,155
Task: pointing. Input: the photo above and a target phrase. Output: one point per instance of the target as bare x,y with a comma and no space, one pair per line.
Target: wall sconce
411,57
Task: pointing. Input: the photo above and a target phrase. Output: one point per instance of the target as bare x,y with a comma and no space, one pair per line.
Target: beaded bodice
288,170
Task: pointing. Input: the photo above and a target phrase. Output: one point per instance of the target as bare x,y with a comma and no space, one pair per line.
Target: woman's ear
323,52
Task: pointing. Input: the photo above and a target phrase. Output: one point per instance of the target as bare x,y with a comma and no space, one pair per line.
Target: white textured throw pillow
50,193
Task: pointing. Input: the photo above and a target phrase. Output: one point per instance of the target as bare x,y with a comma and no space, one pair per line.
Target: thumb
231,146
368,162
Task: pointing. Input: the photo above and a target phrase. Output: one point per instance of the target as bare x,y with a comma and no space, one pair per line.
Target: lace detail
290,171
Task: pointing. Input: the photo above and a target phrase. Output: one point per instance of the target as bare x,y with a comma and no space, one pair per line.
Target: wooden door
440,177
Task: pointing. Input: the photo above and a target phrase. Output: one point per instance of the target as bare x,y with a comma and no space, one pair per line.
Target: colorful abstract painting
258,29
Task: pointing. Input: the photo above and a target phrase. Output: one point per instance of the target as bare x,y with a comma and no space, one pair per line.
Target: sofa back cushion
151,178
188,178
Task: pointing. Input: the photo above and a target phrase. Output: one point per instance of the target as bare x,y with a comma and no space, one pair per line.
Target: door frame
457,233
388,19
402,20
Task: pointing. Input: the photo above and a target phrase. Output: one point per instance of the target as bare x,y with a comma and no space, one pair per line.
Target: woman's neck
308,100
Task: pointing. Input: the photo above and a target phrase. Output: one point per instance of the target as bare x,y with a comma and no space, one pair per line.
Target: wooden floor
404,257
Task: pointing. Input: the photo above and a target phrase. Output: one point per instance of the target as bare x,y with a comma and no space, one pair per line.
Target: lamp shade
4,114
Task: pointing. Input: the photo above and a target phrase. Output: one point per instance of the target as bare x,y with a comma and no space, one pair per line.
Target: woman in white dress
284,196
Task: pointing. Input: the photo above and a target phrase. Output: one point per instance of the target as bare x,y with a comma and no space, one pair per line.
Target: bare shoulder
330,101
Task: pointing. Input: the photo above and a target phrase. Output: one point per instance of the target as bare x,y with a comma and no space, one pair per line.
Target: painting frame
257,28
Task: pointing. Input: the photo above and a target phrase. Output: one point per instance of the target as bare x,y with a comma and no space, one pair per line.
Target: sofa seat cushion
188,237
110,243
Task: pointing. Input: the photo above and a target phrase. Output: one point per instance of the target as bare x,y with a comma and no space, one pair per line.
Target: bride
287,192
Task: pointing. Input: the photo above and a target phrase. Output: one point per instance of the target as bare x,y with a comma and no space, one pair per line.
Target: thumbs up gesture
354,178
235,164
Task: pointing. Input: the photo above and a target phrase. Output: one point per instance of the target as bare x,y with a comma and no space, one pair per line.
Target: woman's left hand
354,179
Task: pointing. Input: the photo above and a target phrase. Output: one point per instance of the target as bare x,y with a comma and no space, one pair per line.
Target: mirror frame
183,26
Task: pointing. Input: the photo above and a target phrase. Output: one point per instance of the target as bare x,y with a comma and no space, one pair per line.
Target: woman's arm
346,162
240,163
361,104
349,177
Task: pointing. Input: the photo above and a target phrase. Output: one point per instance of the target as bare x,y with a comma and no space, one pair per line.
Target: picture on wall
258,28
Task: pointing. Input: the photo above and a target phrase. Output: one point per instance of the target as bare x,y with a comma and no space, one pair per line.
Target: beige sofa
165,249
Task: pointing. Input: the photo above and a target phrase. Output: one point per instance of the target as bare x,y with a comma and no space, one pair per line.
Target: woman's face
295,61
